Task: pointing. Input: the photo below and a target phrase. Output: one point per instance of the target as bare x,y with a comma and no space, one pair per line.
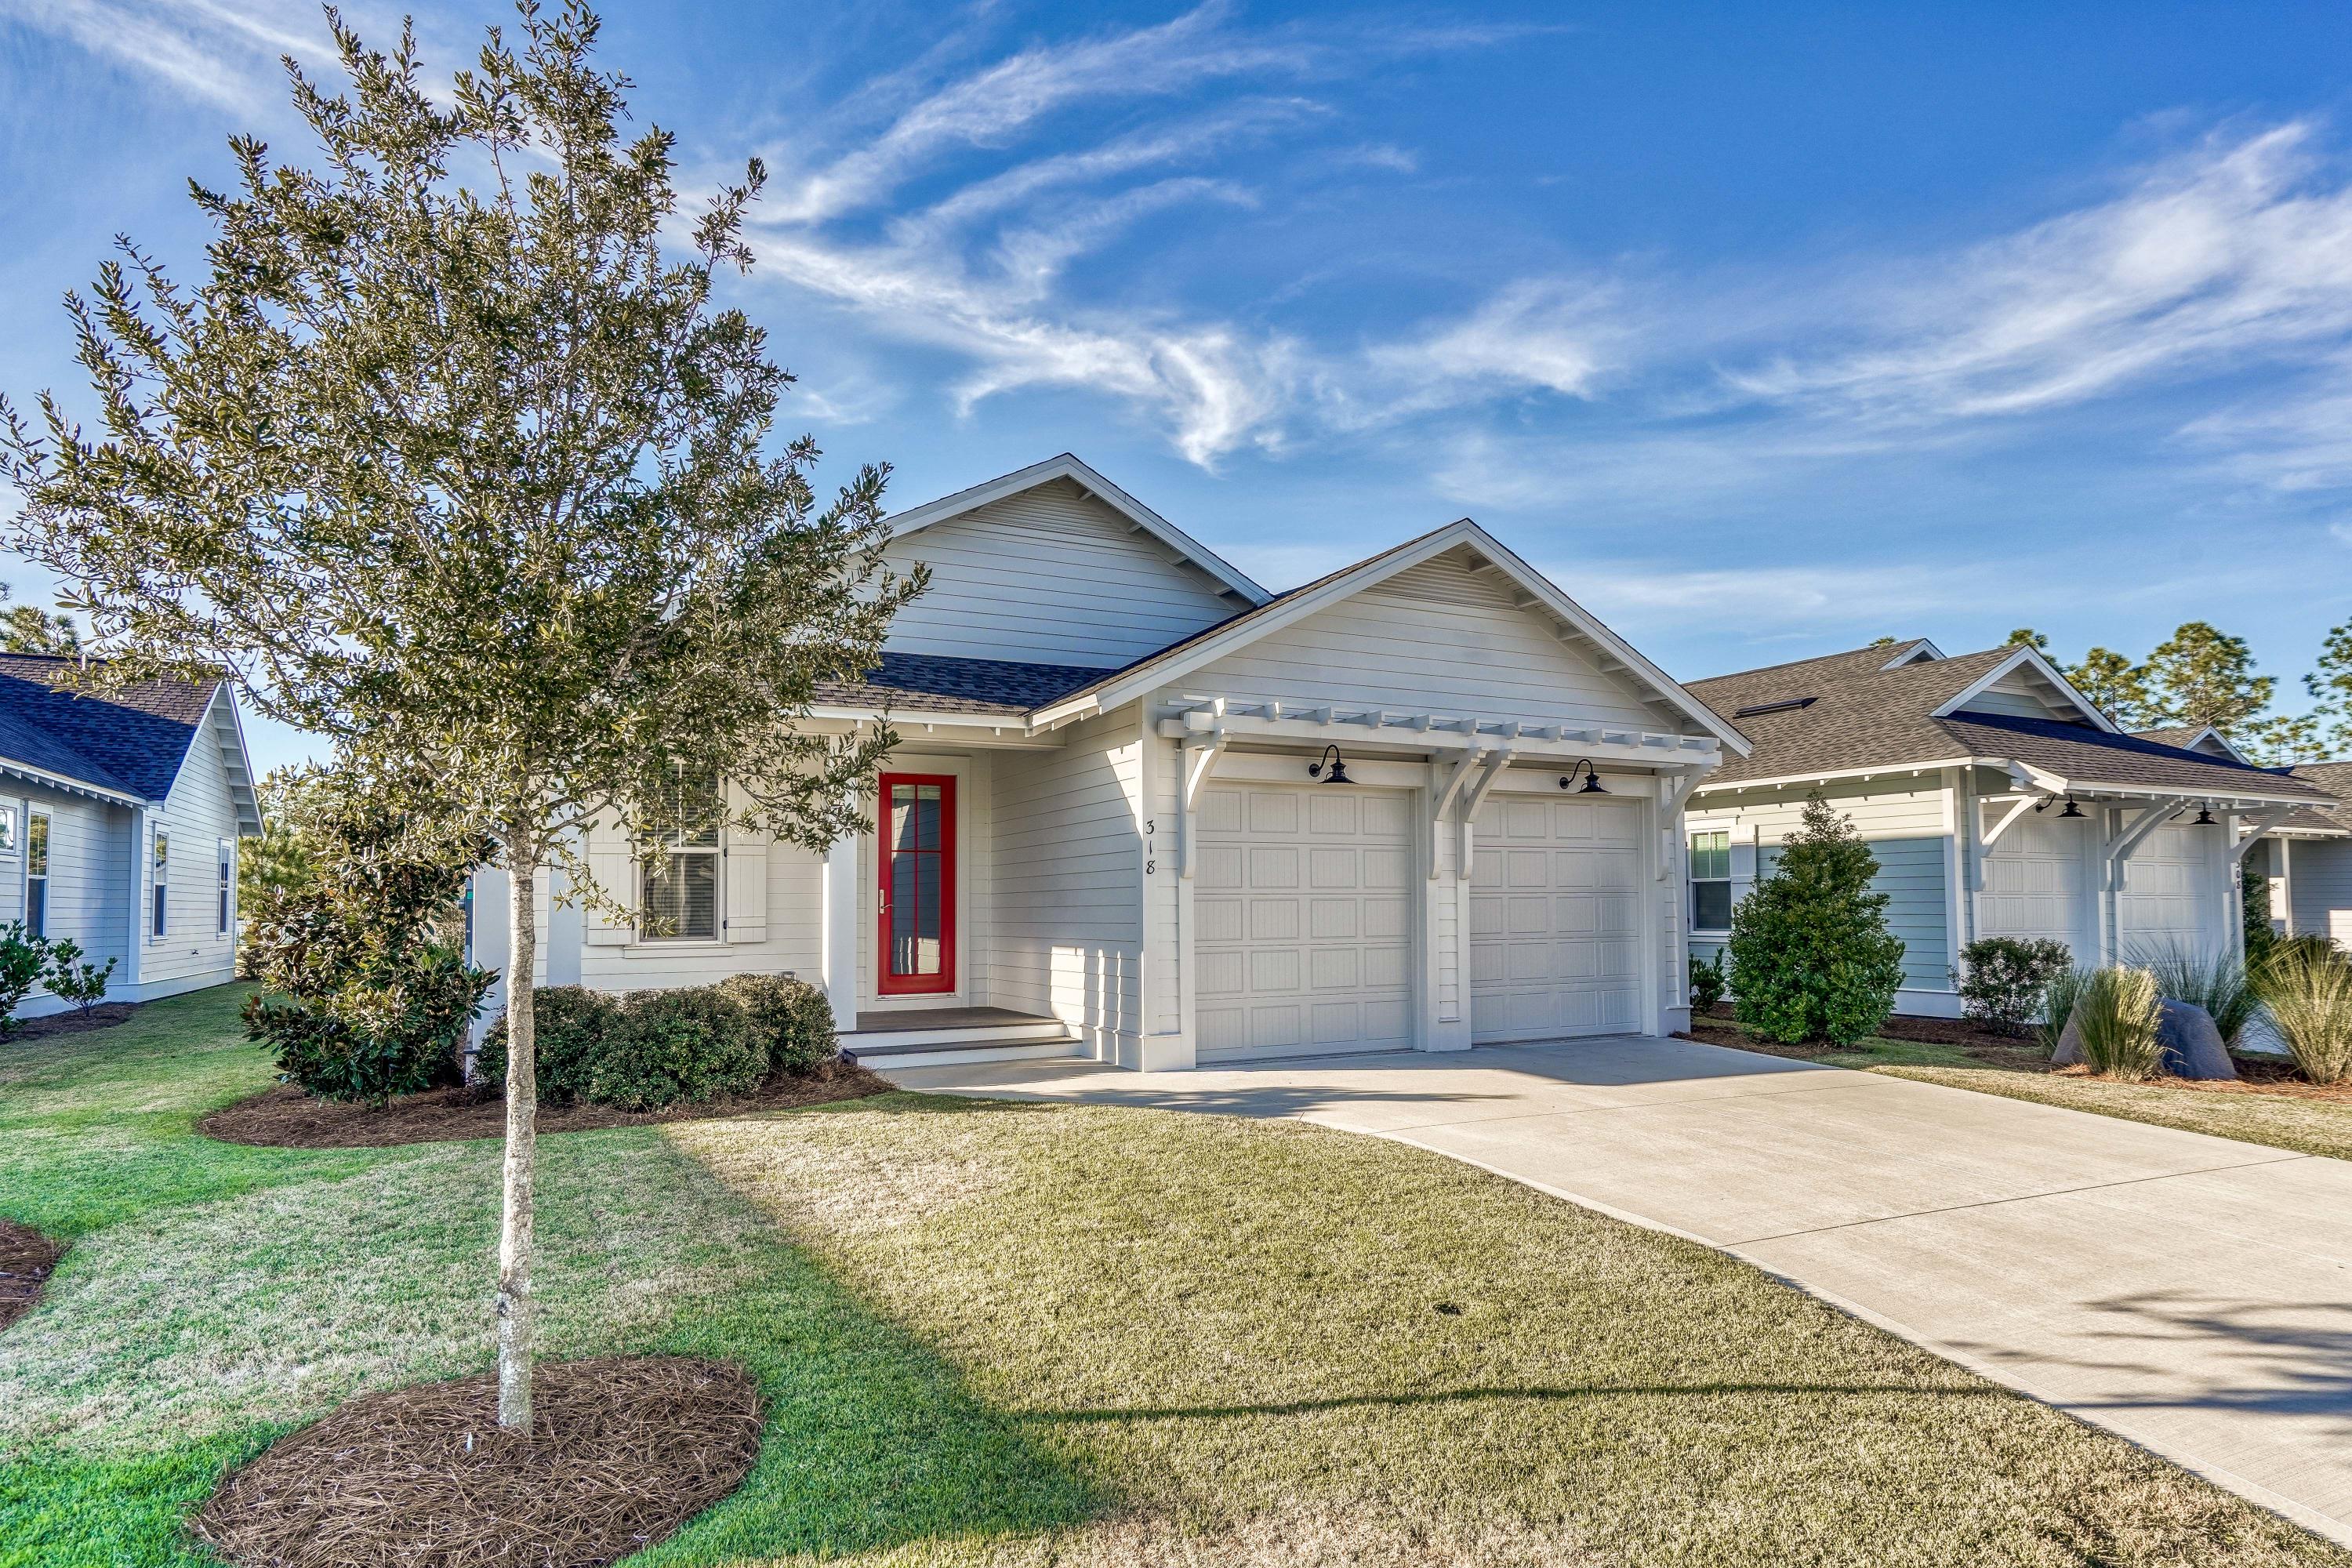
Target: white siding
1903,823
1437,637
793,944
1050,576
1068,910
2319,888
198,813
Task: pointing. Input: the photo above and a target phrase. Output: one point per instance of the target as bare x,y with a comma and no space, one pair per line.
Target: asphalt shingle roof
940,683
2335,778
132,741
1856,713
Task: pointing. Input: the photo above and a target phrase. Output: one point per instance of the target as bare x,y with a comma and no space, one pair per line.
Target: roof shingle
132,741
941,683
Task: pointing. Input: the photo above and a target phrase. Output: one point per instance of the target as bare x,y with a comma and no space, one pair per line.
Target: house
118,820
1144,811
1998,800
2309,860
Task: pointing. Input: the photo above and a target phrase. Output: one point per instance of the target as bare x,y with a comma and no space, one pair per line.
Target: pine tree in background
29,629
1812,958
2330,685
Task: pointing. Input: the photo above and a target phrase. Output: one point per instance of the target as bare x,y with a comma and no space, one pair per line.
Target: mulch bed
27,1259
2256,1075
621,1451
291,1118
105,1015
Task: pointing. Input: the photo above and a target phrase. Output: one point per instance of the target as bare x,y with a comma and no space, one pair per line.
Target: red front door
916,900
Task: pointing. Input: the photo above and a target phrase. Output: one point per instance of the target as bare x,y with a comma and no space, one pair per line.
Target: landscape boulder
2186,1033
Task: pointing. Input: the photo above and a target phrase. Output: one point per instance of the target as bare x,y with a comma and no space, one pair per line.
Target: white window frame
717,852
1690,849
42,876
159,885
227,851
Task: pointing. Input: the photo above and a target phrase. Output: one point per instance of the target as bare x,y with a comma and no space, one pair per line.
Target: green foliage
24,959
2201,675
2216,982
791,1018
2307,986
2330,685
1707,982
2115,1016
29,629
688,1045
1812,958
2002,980
368,998
2058,996
572,1025
2026,636
279,859
2254,902
74,979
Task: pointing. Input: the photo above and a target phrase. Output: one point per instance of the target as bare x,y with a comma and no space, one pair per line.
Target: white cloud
205,48
2239,250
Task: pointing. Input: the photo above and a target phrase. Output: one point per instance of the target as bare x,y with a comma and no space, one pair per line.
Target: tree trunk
523,1109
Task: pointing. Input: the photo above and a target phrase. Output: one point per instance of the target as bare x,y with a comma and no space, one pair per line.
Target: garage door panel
1323,885
1554,949
1220,920
1221,973
1220,810
1222,868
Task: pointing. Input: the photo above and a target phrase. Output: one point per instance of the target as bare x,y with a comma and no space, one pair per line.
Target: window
7,830
227,881
163,880
37,873
1710,875
681,881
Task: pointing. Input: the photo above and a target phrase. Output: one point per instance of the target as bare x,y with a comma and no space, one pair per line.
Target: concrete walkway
2192,1293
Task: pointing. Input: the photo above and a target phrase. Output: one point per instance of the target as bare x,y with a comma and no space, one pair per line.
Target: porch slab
900,1020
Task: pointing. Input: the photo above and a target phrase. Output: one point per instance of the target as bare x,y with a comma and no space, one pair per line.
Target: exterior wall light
2204,818
1339,774
1592,780
2072,809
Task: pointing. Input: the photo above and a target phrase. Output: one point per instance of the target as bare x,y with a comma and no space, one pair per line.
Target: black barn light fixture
2204,818
2072,809
1339,774
1592,780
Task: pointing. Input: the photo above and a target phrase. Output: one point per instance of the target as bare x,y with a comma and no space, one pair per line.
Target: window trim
1691,849
37,927
227,853
159,883
717,852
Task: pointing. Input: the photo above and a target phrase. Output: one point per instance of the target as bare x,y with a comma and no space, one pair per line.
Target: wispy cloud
2239,249
209,49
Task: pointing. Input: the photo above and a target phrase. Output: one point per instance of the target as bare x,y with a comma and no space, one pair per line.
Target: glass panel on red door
918,909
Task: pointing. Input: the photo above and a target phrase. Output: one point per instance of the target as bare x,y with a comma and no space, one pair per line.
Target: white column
840,930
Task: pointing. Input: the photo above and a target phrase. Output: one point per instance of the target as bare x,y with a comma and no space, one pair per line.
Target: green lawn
992,1333
2309,1126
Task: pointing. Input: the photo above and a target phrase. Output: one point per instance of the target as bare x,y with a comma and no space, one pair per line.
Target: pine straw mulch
27,1259
2256,1075
621,1450
288,1117
104,1016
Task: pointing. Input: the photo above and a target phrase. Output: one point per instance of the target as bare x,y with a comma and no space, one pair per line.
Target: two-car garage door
1304,907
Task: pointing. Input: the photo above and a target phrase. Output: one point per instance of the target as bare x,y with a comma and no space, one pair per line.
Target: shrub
2002,979
2116,1018
76,980
666,1047
365,997
23,959
2308,988
2255,908
1811,954
791,1017
1707,982
570,1025
2058,998
2216,983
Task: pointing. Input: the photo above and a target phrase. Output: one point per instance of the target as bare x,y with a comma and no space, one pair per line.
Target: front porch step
928,1037
984,1050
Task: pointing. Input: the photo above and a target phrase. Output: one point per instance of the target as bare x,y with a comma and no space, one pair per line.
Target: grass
999,1335
2307,1125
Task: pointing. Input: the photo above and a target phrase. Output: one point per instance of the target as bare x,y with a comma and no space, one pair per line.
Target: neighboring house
2309,860
1998,800
1145,811
118,820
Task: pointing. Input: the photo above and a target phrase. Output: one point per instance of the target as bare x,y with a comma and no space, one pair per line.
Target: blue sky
1765,330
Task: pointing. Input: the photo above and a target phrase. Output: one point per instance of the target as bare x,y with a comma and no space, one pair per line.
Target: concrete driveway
2192,1293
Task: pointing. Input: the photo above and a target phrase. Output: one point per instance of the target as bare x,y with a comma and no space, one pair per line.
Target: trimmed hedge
650,1049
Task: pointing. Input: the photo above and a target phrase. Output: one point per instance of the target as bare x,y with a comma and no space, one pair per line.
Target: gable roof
1850,713
1189,549
2336,817
128,744
2192,738
1179,659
